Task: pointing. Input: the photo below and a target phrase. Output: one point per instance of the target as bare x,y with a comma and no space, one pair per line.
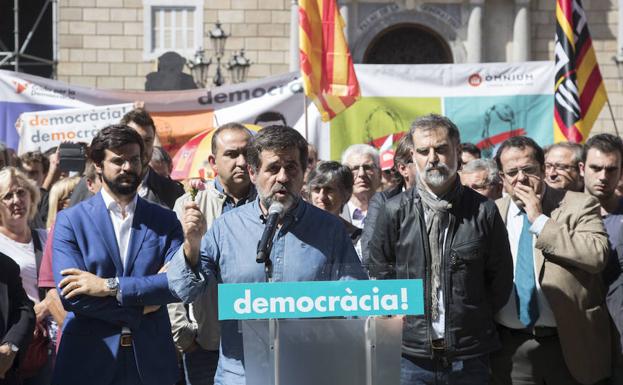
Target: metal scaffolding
14,57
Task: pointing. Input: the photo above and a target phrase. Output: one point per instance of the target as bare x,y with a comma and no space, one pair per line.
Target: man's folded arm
152,289
66,255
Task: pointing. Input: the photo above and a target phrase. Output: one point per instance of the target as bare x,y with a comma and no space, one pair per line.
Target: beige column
294,36
474,31
521,31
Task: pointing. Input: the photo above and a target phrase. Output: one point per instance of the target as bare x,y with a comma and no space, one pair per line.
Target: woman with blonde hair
58,200
59,197
19,197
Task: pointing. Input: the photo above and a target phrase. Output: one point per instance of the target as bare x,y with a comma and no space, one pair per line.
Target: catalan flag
326,65
579,92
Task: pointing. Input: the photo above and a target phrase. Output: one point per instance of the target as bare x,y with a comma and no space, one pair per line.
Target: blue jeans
436,371
200,366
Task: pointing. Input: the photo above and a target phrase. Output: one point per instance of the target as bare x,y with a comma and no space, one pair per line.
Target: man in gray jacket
196,331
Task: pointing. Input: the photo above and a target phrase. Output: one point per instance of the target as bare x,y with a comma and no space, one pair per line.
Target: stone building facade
114,43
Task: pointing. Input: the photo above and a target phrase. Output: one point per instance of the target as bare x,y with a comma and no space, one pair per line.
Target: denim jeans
437,371
200,366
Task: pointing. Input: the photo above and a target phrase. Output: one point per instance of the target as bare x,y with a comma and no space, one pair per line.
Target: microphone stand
268,268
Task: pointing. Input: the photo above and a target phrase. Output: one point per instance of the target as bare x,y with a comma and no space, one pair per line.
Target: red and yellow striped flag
579,92
326,65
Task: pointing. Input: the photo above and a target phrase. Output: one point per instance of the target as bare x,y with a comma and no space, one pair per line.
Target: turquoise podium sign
240,301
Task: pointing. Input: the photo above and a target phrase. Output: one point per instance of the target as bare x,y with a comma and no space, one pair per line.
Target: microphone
265,245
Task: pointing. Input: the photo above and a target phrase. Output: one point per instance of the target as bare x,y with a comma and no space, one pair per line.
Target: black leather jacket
477,270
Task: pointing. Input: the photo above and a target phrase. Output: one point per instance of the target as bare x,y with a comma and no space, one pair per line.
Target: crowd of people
109,275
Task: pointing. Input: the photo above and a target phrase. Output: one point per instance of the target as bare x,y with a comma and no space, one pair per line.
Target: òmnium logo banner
320,299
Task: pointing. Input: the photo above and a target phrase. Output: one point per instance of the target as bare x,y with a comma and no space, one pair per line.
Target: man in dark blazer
17,320
108,254
403,163
154,187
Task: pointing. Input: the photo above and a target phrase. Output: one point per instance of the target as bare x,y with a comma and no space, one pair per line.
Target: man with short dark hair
554,326
562,166
198,337
311,244
454,240
469,152
45,173
154,187
35,165
601,169
161,162
403,163
270,118
107,255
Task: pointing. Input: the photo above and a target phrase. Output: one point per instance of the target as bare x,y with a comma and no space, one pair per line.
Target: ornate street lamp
218,37
199,68
238,67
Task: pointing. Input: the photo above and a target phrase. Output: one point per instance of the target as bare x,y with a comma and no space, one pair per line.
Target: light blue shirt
311,245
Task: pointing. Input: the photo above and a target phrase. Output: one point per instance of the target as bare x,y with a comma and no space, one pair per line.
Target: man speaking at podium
309,244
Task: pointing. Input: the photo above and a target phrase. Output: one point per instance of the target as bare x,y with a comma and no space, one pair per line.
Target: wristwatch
112,284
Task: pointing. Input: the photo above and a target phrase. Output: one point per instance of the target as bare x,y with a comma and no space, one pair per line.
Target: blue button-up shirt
229,203
311,245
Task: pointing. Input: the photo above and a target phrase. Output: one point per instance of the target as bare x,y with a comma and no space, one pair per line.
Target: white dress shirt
122,224
507,316
358,221
121,221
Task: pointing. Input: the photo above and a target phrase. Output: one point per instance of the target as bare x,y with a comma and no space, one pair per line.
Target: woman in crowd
329,186
59,199
19,197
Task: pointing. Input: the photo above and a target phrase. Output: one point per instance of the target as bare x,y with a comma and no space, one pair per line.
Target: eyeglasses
20,193
527,170
367,168
560,166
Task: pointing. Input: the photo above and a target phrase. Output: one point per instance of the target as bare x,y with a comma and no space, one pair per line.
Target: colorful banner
320,299
43,130
179,115
489,102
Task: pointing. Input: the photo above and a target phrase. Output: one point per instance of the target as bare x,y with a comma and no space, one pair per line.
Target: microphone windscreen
275,208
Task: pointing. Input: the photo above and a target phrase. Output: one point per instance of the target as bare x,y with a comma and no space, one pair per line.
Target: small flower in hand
196,185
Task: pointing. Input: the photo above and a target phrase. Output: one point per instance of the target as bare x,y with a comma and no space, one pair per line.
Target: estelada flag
326,65
579,92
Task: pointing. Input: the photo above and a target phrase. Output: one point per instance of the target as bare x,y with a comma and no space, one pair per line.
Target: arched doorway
408,44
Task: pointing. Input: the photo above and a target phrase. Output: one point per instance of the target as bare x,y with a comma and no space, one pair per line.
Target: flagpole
613,119
305,111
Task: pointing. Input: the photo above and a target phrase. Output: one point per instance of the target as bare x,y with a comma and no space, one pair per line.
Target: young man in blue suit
108,252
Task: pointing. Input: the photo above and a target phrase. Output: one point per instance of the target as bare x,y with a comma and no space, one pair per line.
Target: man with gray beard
310,245
454,240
